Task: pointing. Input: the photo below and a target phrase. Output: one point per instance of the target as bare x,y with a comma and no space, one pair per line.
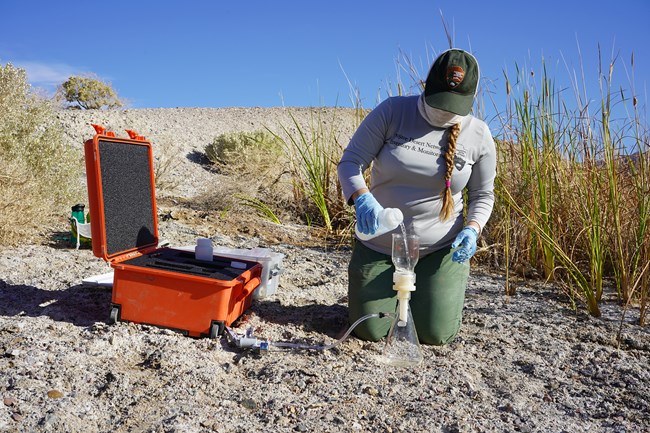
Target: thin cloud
47,75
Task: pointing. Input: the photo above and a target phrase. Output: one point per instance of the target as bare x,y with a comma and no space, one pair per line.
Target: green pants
436,303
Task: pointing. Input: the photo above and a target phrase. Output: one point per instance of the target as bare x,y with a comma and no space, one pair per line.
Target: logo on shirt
455,76
459,163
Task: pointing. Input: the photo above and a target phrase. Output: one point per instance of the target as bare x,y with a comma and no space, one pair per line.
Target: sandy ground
525,363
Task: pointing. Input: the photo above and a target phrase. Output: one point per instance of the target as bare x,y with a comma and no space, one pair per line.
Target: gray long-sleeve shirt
408,171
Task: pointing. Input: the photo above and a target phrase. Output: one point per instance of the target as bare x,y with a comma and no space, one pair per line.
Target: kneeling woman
425,150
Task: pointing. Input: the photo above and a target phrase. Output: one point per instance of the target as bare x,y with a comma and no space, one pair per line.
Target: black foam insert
127,193
183,262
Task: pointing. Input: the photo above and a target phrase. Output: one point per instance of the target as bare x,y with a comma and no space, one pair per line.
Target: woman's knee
437,336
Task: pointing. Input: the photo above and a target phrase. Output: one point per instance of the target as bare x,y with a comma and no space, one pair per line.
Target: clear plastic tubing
336,343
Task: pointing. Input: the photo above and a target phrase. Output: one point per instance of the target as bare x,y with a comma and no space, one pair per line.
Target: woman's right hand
367,209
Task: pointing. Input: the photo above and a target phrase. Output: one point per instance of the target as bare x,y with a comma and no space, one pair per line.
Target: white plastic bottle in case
203,249
389,219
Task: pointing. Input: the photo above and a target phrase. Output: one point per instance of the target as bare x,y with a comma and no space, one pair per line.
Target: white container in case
271,265
203,249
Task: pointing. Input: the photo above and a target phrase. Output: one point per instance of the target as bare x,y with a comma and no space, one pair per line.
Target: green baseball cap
452,82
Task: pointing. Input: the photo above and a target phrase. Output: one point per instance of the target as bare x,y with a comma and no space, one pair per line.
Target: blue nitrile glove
466,239
367,208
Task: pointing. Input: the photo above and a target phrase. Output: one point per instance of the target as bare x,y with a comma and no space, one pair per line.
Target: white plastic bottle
389,219
203,249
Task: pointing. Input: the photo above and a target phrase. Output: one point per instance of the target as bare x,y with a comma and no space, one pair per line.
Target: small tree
89,93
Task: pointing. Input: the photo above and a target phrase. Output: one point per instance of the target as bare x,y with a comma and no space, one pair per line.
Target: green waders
436,304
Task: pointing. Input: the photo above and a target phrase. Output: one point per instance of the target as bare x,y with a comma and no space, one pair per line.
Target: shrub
88,93
246,152
254,163
37,172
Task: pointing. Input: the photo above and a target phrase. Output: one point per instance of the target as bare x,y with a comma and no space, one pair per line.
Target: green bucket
80,227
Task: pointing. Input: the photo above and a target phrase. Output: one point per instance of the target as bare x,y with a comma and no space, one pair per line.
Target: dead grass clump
254,165
165,163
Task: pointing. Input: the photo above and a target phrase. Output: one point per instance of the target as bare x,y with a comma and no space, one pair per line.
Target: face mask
436,117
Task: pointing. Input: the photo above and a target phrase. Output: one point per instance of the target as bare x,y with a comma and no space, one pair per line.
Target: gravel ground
526,363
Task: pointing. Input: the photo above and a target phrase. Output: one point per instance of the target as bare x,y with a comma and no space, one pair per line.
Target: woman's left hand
466,240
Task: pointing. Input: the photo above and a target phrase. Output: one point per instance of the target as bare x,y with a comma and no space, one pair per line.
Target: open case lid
121,195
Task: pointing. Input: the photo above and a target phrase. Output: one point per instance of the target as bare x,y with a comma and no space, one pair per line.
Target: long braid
447,198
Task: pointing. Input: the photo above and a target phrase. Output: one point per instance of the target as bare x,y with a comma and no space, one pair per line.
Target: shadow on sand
85,305
79,305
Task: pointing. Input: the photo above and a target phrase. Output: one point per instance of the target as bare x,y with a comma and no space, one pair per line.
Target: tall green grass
576,179
572,191
314,151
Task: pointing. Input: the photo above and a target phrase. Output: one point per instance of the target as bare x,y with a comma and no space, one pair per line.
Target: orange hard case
157,286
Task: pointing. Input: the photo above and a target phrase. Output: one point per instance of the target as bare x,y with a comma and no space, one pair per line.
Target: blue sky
305,53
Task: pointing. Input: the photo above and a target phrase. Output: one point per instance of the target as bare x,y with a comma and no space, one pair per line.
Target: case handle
249,287
134,135
100,130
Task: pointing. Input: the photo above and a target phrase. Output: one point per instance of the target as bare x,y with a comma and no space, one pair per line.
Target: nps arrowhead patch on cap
455,76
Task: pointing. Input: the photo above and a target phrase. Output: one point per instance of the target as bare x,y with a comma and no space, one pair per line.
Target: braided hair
447,198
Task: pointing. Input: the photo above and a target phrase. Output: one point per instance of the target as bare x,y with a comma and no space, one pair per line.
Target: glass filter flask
402,345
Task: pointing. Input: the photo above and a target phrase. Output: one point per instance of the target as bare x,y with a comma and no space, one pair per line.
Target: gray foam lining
128,196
